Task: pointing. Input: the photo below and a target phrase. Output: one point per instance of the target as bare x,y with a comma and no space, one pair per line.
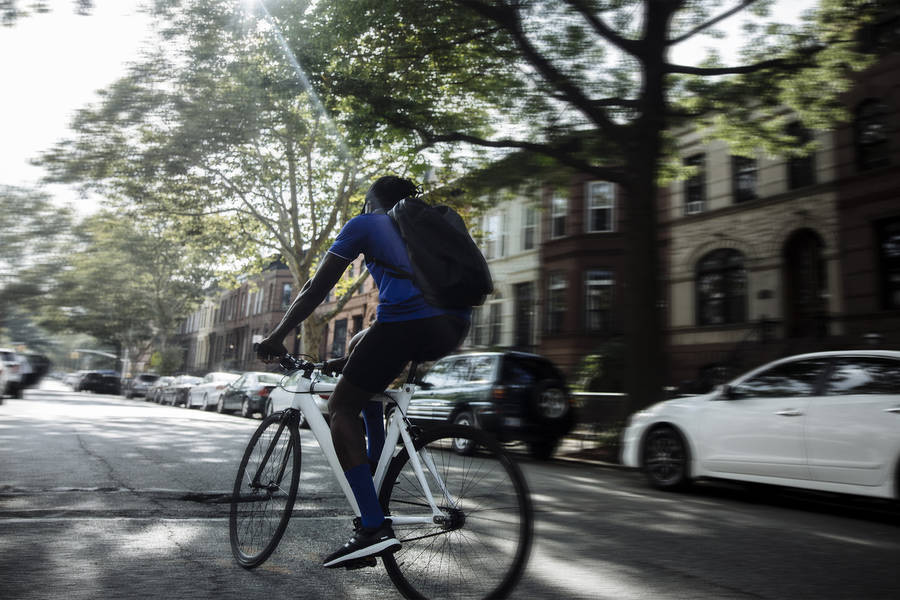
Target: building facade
511,242
219,335
582,270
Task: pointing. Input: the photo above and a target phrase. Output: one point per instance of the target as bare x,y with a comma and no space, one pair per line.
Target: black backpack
447,265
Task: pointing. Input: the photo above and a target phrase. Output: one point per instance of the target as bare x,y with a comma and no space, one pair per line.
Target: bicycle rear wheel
265,489
481,548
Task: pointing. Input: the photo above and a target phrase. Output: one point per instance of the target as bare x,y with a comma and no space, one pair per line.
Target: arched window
721,288
870,132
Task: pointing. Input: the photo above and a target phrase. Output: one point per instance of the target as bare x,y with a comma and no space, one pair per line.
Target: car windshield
269,378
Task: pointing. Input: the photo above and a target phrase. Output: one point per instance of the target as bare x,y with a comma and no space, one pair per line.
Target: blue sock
360,479
374,418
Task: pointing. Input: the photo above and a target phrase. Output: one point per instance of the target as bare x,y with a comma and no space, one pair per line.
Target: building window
871,135
598,290
559,206
556,302
479,327
524,317
721,288
339,342
889,250
601,207
743,178
286,295
695,186
496,323
494,241
801,169
529,228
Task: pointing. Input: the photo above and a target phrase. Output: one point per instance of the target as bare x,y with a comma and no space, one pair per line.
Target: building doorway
805,285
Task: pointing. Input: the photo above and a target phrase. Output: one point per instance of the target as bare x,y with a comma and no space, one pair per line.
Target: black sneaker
365,542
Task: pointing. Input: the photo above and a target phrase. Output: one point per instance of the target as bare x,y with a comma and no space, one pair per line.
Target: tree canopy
587,86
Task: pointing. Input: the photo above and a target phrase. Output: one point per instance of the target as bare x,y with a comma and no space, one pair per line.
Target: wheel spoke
481,548
258,519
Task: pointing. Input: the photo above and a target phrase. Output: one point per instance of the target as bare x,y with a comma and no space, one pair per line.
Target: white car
14,369
283,395
206,394
825,421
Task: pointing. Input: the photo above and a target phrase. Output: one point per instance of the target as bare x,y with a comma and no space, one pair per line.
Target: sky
52,64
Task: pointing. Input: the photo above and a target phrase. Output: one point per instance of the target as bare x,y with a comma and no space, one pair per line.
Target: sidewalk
584,445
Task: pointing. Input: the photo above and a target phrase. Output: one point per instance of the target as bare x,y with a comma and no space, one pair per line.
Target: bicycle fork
271,486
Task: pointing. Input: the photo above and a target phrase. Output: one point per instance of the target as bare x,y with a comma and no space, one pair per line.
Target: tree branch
744,4
605,173
508,19
602,29
710,71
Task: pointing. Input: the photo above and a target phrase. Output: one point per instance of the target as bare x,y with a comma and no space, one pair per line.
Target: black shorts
382,353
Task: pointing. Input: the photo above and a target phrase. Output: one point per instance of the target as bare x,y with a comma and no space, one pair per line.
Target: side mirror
725,392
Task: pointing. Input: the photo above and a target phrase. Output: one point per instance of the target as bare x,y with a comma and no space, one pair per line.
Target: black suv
514,395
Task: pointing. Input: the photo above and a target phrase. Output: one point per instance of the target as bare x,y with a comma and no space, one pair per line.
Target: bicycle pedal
360,563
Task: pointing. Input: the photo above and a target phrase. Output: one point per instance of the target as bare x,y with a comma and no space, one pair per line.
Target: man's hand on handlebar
270,350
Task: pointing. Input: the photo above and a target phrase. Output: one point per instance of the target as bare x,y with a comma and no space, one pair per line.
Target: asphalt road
103,498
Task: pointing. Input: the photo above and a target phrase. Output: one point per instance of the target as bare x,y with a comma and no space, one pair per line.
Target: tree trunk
645,365
313,332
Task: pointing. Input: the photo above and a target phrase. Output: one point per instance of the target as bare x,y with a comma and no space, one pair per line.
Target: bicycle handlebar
289,362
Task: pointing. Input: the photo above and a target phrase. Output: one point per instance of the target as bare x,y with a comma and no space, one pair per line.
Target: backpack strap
394,270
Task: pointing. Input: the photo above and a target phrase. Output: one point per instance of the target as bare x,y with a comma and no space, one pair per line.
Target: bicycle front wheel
481,546
265,489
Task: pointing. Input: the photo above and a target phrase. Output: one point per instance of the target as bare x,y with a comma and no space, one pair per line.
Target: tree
585,85
34,235
13,10
129,281
227,126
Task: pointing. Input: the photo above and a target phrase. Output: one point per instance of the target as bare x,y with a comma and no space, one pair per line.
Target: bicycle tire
483,550
258,517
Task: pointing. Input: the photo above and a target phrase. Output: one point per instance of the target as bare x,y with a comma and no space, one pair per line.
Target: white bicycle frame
395,431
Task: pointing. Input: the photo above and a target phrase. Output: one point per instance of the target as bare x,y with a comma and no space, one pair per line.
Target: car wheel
665,459
463,446
542,449
245,408
550,400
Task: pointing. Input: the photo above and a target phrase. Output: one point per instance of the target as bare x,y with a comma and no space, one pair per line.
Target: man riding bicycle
406,329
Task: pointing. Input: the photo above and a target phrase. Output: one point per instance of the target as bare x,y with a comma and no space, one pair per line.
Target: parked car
282,396
154,393
140,385
176,393
514,395
206,394
100,382
248,393
13,372
824,421
72,378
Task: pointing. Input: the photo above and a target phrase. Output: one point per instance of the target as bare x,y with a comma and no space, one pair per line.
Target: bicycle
465,522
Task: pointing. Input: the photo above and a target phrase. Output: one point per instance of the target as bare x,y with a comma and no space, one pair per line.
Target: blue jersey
376,236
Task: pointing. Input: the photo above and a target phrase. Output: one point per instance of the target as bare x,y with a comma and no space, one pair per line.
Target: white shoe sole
372,550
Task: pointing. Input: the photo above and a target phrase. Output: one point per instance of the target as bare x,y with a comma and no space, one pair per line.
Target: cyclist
406,328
